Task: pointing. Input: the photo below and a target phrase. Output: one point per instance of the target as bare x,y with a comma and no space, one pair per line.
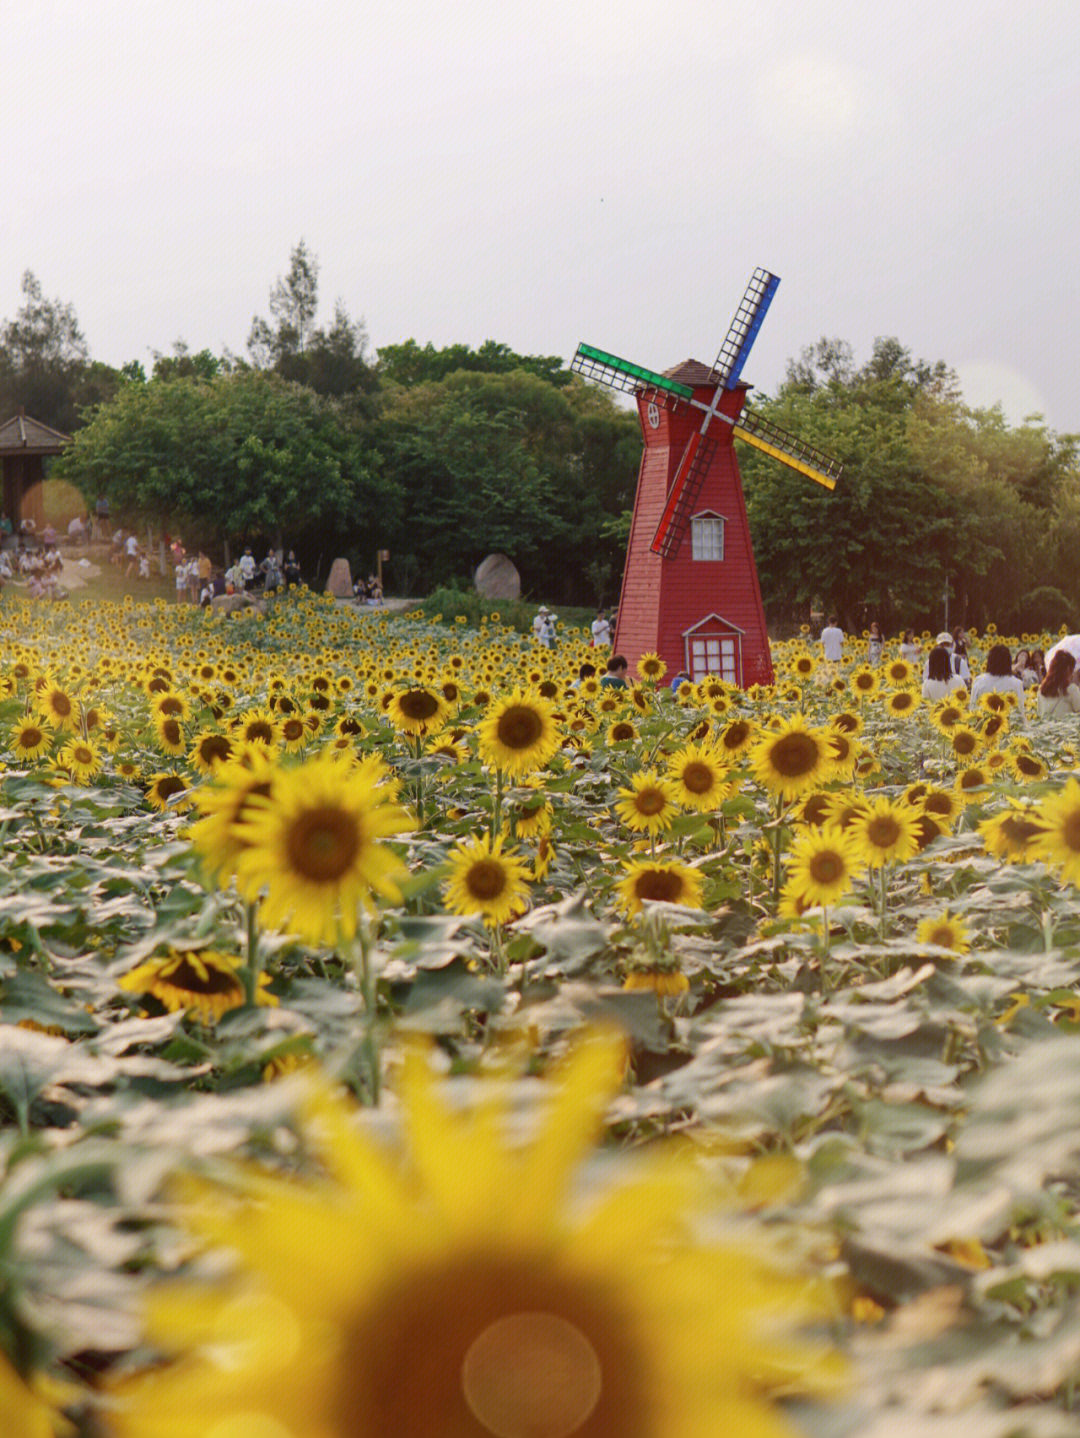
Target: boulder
339,582
236,603
497,578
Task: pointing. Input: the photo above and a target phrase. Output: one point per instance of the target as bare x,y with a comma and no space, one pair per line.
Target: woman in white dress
1059,695
940,681
998,679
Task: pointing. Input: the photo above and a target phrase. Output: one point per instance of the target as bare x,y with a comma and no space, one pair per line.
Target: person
961,665
940,681
615,674
6,572
181,577
77,531
144,564
832,641
246,565
544,627
909,648
271,574
678,680
585,671
601,631
1058,694
874,644
291,569
101,518
49,535
131,549
998,678
1038,663
1025,670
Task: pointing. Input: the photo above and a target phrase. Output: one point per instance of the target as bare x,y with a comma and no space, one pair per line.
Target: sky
545,174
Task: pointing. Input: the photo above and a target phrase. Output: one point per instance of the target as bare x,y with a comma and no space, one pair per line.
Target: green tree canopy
234,456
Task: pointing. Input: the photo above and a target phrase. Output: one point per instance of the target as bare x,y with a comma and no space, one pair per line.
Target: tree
234,457
45,362
407,364
294,300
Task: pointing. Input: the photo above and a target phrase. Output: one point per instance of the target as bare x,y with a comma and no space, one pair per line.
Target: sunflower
1008,835
223,806
822,863
804,665
529,813
846,721
487,879
163,789
518,734
170,734
81,758
648,805
651,667
864,682
886,831
258,726
656,880
974,777
31,738
314,847
622,731
946,932
543,857
899,672
815,808
700,778
736,737
1058,840
1025,766
57,706
947,715
200,982
843,752
547,1317
294,733
941,804
903,703
418,710
789,760
965,744
209,750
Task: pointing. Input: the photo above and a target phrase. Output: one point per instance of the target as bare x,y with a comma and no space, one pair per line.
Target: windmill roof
694,373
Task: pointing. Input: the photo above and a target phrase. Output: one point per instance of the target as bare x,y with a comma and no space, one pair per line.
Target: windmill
698,603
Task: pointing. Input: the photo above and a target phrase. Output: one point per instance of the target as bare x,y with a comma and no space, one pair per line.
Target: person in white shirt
998,679
601,631
247,568
832,641
1059,695
940,681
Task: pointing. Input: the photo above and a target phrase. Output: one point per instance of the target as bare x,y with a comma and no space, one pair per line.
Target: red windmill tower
690,589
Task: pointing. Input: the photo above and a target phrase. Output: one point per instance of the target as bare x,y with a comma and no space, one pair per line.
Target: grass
454,604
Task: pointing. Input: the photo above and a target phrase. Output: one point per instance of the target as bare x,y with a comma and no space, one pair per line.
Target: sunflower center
826,867
942,935
170,705
486,880
519,727
650,801
61,704
1070,831
795,755
418,704
1019,831
214,747
622,731
735,734
294,729
1028,766
322,844
661,884
171,731
531,1375
30,737
697,777
259,732
883,831
169,786
964,743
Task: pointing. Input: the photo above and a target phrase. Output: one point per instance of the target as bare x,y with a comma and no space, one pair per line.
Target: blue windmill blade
744,327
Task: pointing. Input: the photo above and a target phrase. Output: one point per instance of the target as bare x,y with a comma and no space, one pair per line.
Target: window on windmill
714,654
707,536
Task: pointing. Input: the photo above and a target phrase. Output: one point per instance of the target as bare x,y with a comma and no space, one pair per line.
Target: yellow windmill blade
755,429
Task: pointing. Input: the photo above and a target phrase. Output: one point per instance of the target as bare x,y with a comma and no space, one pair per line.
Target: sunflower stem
496,808
252,970
366,973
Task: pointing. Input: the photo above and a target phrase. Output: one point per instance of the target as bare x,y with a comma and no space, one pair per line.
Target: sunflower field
402,1037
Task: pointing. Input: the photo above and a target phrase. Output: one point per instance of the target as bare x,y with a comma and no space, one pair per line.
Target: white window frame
714,646
707,536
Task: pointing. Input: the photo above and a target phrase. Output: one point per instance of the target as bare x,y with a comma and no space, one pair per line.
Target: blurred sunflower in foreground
406,1297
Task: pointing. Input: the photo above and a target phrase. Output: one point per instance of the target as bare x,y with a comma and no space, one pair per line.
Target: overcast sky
541,174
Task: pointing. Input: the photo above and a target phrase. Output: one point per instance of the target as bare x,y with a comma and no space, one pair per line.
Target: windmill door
714,646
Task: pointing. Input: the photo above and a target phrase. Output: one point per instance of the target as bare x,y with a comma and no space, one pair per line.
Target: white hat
944,638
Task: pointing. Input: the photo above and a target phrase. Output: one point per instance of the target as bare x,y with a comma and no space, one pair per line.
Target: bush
453,604
1045,608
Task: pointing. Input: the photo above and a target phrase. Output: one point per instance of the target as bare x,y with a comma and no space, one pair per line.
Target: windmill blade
685,488
744,327
771,439
623,375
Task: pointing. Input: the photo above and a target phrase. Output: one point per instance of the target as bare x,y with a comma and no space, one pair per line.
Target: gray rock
497,578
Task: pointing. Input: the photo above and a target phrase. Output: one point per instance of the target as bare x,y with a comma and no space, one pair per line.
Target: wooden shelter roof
23,435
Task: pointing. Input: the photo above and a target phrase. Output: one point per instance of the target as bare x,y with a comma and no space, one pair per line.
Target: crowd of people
946,668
